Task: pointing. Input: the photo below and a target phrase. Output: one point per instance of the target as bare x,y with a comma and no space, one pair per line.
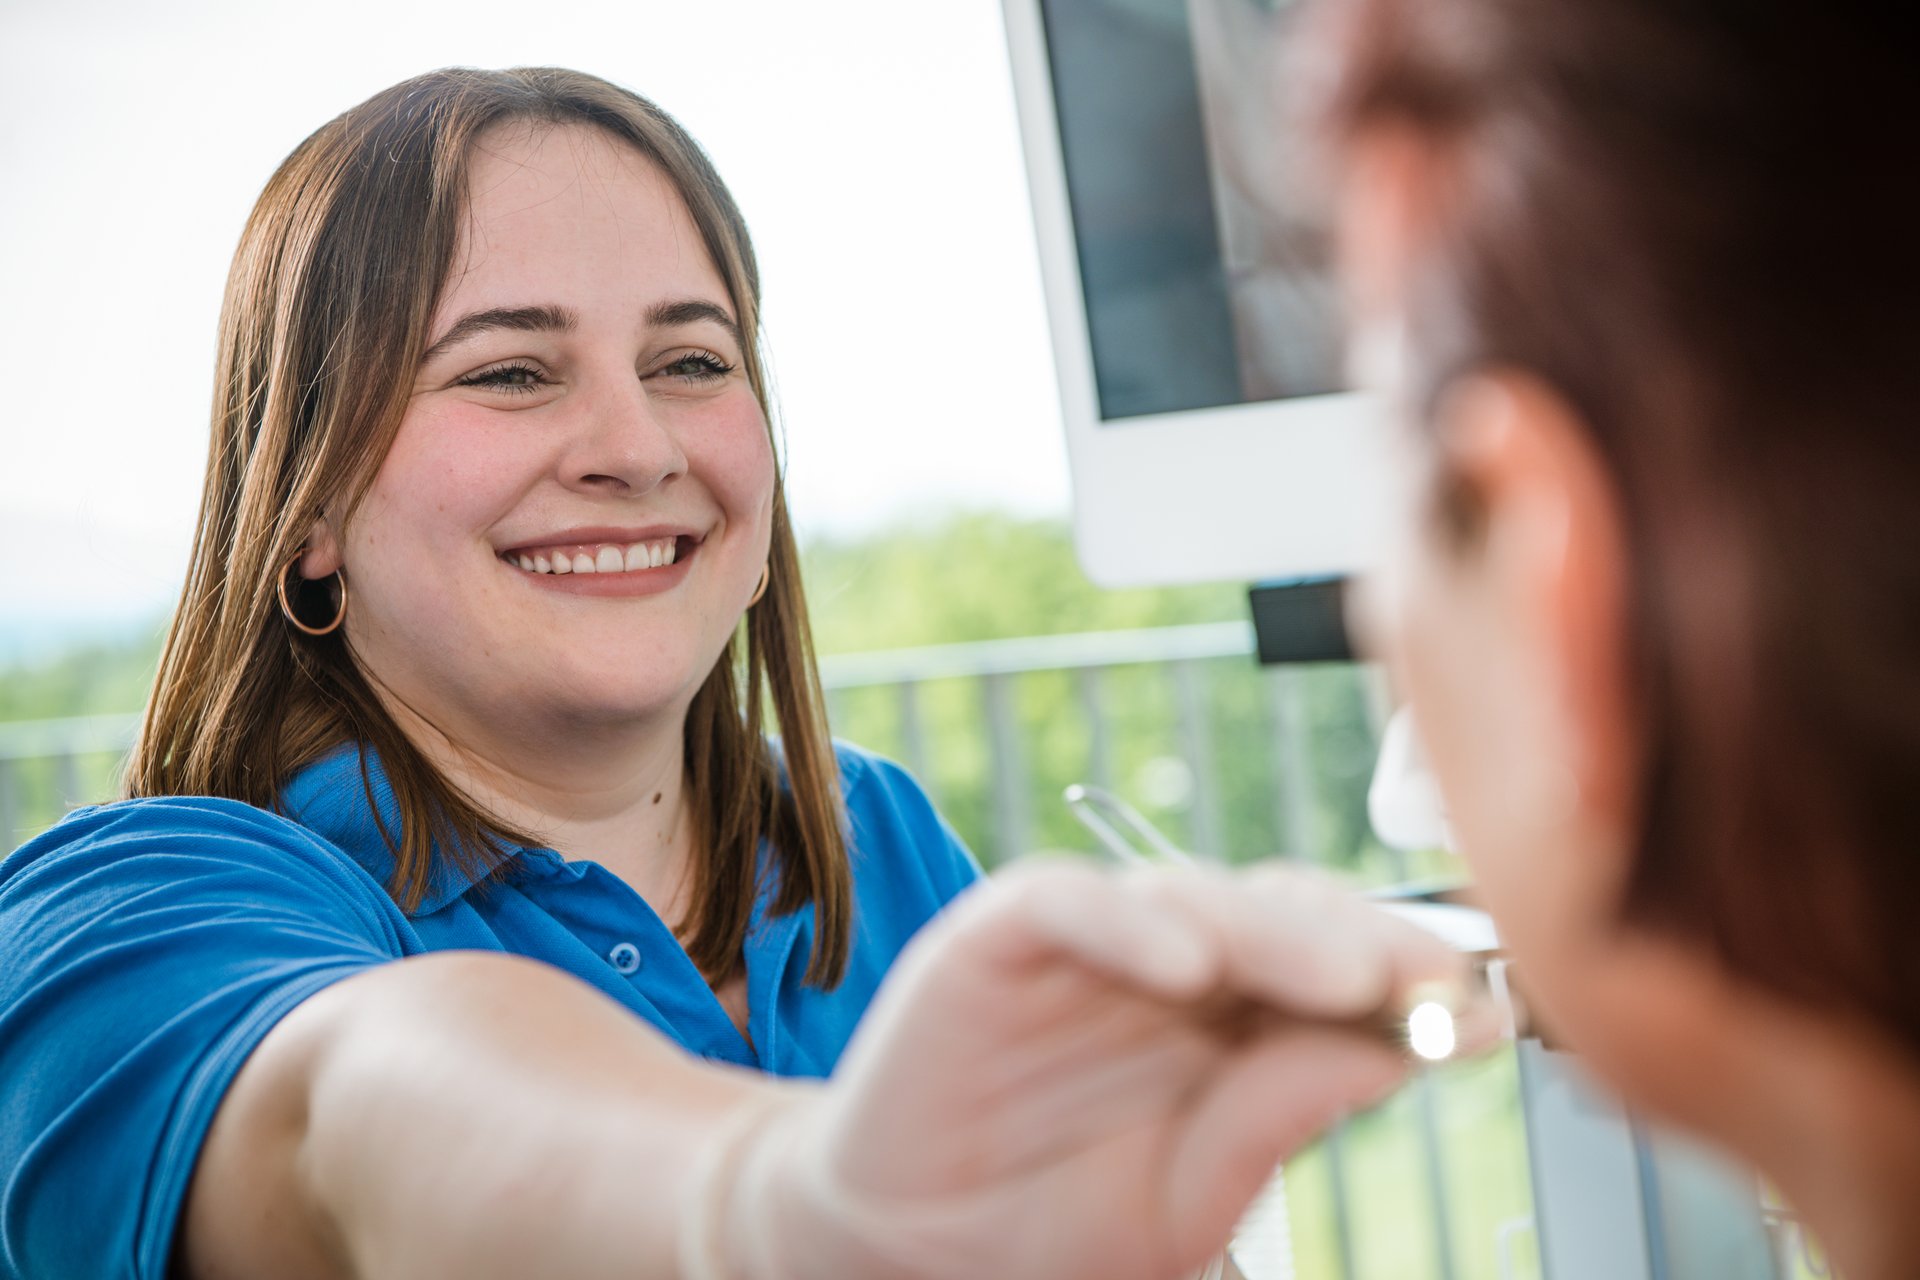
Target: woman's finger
1299,941
1283,937
1043,909
1274,1097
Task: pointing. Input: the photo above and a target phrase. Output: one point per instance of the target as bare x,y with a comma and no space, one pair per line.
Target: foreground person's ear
1527,494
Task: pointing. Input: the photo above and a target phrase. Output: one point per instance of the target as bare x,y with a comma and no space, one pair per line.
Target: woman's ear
1548,533
323,553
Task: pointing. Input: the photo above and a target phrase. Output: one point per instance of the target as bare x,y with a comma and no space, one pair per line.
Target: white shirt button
624,958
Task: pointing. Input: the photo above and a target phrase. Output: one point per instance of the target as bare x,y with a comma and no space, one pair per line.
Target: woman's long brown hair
325,320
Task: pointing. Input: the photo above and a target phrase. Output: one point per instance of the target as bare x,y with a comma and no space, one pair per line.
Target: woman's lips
601,568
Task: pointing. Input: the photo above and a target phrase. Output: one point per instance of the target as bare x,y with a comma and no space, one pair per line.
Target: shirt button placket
625,959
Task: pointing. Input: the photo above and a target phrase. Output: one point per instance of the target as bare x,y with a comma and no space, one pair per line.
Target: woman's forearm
465,1114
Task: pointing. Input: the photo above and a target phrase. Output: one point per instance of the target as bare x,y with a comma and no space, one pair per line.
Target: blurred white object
1403,802
1465,929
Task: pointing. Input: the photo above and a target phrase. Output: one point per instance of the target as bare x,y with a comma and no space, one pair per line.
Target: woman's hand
1075,1072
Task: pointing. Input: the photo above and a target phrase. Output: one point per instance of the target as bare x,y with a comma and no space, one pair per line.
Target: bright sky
871,143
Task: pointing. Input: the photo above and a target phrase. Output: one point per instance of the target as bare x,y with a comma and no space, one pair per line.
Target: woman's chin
625,703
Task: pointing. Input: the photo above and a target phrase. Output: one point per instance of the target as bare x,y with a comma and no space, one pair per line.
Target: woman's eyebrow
690,310
542,318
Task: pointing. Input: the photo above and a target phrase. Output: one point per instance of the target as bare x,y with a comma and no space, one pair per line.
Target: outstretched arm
1070,1072
458,1114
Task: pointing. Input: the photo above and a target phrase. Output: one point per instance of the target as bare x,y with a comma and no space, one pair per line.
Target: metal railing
1277,738
996,665
70,752
916,703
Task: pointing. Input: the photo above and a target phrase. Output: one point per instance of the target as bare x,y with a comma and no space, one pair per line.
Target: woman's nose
622,442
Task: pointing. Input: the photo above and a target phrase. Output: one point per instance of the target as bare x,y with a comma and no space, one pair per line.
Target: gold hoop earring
286,607
766,573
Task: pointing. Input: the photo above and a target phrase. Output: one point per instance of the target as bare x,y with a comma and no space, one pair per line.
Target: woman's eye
698,366
507,377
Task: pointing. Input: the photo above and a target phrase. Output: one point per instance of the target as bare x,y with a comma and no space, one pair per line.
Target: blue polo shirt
146,948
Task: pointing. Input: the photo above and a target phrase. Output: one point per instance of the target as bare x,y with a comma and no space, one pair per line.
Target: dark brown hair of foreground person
326,318
1697,220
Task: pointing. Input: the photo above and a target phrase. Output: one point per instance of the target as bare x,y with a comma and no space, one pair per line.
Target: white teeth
605,559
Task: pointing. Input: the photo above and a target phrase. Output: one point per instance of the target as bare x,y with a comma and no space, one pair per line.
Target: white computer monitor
1209,431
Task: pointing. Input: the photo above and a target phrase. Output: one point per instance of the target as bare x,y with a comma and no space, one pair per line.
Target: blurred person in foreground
463,919
1638,277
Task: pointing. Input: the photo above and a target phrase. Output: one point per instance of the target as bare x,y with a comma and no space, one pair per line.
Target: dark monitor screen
1204,273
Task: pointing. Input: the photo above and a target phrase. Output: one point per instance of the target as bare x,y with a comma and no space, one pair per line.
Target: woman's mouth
600,557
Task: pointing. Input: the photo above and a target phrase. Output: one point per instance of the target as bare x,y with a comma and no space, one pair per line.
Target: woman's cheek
1380,606
734,457
459,469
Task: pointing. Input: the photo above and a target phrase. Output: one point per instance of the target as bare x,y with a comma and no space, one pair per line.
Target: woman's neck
1828,1111
613,796
1836,1124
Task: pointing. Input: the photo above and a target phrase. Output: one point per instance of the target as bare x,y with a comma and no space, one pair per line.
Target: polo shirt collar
345,797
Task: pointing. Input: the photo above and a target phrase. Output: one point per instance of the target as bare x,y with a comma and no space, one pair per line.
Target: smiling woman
463,908
590,382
